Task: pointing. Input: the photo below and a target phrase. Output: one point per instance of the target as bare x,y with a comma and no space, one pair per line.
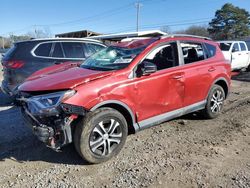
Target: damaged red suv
124,88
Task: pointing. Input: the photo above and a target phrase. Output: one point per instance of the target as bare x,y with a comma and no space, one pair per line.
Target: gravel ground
185,152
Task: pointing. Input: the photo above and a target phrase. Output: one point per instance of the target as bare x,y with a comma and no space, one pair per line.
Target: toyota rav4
122,89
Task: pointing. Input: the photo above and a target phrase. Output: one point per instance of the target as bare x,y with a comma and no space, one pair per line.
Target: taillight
14,64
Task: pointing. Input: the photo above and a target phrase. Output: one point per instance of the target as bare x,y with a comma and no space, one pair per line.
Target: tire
215,102
100,135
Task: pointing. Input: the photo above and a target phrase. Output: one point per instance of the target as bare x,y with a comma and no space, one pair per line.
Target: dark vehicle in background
27,57
2,52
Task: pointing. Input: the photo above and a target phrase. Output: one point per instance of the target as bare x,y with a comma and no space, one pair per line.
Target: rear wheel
100,135
215,102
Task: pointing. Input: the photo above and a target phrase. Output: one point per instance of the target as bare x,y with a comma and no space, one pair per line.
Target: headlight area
50,118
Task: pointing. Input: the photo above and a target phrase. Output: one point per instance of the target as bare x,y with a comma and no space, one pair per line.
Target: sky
106,16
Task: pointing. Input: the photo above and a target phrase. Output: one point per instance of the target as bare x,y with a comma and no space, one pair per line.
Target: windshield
225,46
111,58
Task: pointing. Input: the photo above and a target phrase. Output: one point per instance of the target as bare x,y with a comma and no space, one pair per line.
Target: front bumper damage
54,129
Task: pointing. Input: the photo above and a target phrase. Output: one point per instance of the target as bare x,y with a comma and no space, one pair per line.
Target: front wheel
215,102
100,135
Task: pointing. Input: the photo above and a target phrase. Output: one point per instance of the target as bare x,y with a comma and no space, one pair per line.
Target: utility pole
3,42
138,7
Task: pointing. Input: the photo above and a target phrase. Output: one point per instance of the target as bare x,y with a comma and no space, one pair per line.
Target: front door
236,57
162,91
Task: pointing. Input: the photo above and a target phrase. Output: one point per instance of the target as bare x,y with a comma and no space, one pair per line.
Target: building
120,36
78,34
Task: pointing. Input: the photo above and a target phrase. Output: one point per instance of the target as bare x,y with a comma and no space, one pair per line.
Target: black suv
26,57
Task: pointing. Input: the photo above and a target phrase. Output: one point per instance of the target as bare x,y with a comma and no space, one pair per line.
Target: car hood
61,78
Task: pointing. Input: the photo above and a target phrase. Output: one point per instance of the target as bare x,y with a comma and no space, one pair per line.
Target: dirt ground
185,152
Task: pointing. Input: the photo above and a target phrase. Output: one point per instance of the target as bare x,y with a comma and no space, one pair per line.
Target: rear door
193,66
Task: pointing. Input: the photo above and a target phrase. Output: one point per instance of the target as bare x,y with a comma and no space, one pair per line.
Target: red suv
124,88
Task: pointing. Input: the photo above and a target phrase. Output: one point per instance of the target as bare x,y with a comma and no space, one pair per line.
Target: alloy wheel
105,137
216,102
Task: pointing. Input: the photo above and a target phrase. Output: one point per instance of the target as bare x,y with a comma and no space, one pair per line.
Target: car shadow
17,142
241,76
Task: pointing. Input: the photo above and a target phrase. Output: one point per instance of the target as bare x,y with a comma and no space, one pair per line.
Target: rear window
10,51
211,50
43,50
73,50
20,50
192,52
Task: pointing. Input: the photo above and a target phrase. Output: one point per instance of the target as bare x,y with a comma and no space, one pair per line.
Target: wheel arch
223,83
123,109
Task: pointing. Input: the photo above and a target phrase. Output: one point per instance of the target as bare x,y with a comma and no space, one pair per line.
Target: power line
158,26
100,16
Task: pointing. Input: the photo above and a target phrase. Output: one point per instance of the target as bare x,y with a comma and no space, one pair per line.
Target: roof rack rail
185,35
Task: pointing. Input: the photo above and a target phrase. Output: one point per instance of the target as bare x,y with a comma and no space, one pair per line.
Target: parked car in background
237,53
127,87
26,57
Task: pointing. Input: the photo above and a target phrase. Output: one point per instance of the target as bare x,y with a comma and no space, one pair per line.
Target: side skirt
171,115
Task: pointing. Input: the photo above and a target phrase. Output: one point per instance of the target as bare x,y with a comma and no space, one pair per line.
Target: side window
235,47
192,52
73,49
92,48
57,52
43,50
164,57
211,50
243,47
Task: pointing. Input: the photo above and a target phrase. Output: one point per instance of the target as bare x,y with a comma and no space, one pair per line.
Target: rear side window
57,52
43,50
211,50
192,52
243,47
92,48
73,49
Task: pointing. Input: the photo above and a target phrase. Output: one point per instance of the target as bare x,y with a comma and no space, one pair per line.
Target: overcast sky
106,16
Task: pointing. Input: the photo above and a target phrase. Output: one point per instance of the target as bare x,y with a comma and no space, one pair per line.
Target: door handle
211,69
177,77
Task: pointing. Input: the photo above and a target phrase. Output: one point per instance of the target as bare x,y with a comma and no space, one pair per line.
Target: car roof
139,42
135,43
231,41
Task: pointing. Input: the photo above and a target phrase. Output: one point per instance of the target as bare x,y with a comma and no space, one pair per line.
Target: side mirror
146,68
